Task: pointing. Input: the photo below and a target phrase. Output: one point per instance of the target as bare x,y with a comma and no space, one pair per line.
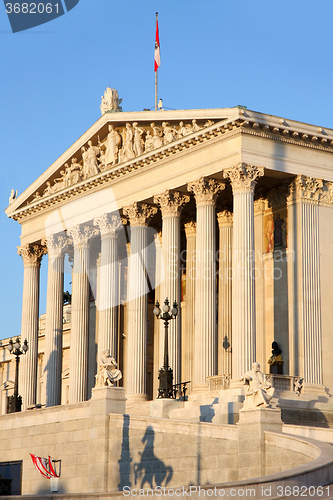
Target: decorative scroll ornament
108,224
225,218
47,467
308,188
32,254
243,176
171,204
139,214
205,190
56,244
110,101
81,235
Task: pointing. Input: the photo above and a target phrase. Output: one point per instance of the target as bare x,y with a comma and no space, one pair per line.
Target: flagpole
156,73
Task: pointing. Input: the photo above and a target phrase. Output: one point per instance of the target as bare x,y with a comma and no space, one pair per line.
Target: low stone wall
105,452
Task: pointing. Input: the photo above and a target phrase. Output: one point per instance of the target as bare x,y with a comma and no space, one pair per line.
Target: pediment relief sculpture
120,145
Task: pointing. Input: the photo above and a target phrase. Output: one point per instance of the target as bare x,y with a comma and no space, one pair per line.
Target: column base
136,398
314,389
199,388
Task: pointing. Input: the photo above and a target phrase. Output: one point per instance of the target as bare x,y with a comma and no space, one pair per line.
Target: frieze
71,182
120,145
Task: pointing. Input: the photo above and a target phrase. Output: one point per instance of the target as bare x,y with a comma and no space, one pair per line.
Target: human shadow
151,468
125,458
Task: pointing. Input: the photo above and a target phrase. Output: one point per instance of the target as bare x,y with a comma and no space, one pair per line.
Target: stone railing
219,382
285,382
279,382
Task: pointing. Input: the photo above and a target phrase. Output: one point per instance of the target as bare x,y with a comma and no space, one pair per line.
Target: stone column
308,192
137,313
188,369
205,332
259,211
224,220
171,205
243,179
54,319
294,368
78,362
158,345
108,285
32,256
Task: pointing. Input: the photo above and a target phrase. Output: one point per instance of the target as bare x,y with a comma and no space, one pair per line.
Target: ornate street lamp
165,376
15,401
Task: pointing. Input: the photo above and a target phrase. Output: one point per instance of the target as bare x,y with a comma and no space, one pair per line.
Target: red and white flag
157,62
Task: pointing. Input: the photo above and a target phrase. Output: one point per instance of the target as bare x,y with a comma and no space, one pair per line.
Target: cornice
277,130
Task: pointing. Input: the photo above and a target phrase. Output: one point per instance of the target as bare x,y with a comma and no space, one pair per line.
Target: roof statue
13,196
110,101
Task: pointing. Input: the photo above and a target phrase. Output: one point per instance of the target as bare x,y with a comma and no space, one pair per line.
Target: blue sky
273,57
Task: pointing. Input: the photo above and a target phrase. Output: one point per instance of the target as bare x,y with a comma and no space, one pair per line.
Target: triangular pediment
115,140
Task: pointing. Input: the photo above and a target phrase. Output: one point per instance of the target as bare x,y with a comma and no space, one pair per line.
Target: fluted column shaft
259,210
205,331
242,180
158,345
78,363
171,205
224,219
32,255
108,285
54,320
188,336
137,303
308,279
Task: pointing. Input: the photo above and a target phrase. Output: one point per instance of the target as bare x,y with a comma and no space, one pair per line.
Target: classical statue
110,101
169,133
90,163
276,361
59,183
195,126
157,135
138,142
259,391
112,145
128,142
74,173
107,370
149,142
13,196
181,131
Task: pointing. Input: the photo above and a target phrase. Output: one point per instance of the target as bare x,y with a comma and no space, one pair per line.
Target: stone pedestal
106,400
162,407
252,425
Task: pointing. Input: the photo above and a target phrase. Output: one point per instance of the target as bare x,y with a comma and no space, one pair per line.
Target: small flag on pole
157,62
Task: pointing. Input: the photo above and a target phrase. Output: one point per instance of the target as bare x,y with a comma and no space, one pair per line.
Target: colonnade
207,340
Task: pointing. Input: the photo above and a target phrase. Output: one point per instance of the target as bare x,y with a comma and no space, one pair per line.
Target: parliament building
226,212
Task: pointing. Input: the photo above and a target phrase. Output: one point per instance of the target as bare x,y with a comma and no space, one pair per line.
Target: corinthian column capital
32,254
225,218
243,177
190,228
81,234
171,203
56,244
109,224
205,190
139,214
308,188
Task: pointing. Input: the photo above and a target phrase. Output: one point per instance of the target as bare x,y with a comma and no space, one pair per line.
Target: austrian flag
157,62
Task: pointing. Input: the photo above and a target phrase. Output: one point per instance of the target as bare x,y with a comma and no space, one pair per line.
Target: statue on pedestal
107,371
259,391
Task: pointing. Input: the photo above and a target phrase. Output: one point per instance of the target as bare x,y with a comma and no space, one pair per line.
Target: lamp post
15,401
165,375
